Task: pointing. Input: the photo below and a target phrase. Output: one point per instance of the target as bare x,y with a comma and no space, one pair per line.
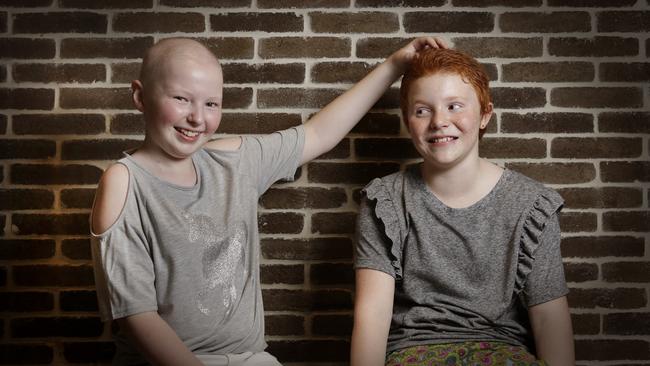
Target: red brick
78,301
307,249
118,48
257,123
284,325
279,273
21,249
585,324
625,171
166,22
54,174
379,47
303,197
378,124
304,47
607,298
59,73
236,73
638,221
602,246
600,97
548,22
89,352
623,21
339,72
280,223
296,97
125,72
626,122
97,98
26,353
595,147
25,199
3,124
3,220
332,325
548,71
340,151
385,148
580,272
127,124
25,3
207,3
76,248
602,197
50,224
572,222
60,22
26,301
512,147
398,3
552,122
26,98
56,327
261,22
626,272
303,300
301,4
351,173
105,149
360,22
310,350
3,22
618,71
27,149
455,22
599,46
556,173
106,4
592,3
501,47
49,275
331,274
25,48
489,3
611,349
504,97
627,323
228,48
58,124
237,97
77,198
333,222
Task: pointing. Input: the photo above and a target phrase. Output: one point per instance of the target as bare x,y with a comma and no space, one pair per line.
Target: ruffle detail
544,207
388,213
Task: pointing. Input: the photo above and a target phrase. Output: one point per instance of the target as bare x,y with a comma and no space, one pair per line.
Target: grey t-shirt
192,254
465,274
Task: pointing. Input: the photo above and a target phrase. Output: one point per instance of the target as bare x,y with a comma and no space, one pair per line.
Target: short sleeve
124,273
274,156
546,280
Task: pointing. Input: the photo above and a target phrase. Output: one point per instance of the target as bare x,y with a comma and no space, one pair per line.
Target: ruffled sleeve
543,210
389,213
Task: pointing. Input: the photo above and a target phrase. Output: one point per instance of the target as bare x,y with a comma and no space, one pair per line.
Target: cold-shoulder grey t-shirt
192,254
462,274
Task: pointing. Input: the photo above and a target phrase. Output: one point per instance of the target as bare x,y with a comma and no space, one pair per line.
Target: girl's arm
373,310
551,323
324,130
156,340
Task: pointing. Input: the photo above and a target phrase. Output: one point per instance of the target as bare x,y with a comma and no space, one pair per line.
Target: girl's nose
438,120
196,115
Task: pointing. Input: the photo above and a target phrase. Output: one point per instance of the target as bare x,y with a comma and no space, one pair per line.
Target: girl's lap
464,353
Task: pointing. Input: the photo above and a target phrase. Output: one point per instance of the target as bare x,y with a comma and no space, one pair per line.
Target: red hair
439,60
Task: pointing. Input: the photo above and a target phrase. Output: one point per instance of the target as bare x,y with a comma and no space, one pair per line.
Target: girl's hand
403,57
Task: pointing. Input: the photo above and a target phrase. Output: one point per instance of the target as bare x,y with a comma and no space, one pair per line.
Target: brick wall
570,84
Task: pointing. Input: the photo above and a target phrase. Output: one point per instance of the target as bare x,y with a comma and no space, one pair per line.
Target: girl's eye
212,104
180,99
454,107
421,112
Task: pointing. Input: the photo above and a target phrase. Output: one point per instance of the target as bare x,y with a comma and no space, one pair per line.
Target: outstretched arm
551,323
324,130
373,309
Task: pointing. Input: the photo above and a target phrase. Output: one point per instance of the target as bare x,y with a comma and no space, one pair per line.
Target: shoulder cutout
109,198
225,144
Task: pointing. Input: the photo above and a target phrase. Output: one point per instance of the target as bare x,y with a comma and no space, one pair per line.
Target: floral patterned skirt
464,353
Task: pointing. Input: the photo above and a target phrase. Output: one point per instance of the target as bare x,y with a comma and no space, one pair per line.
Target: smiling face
180,94
443,115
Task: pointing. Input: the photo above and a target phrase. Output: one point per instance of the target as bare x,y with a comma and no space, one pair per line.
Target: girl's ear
485,118
137,93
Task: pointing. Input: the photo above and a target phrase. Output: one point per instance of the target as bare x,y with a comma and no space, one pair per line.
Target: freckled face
444,118
183,106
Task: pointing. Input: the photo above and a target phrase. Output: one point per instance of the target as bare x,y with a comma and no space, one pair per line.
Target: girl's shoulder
521,186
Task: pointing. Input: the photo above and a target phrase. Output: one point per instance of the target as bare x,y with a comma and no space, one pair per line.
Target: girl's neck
464,184
176,171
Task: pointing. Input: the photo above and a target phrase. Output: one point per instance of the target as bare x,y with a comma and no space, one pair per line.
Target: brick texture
569,81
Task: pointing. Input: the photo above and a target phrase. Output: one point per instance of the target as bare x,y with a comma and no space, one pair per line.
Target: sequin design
465,354
223,262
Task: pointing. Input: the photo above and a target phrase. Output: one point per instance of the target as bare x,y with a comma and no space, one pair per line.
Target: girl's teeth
443,139
189,133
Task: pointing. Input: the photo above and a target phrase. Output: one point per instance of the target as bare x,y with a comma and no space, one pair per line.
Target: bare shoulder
110,197
225,144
